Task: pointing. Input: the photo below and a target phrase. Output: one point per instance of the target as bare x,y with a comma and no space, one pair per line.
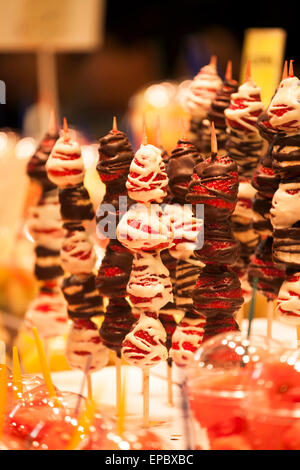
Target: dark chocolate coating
280,157
244,152
82,296
264,179
264,128
109,214
180,168
36,169
117,324
44,273
75,203
216,114
195,131
217,291
186,277
118,258
247,247
115,156
215,184
219,324
285,241
270,276
219,245
262,206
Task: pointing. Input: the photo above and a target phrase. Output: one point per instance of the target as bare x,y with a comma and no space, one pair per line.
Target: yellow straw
3,395
122,407
83,427
45,366
17,376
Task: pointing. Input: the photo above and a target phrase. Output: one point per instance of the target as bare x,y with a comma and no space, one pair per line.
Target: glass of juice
272,407
218,384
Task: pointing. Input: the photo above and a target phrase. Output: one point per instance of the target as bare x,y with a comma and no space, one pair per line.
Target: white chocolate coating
186,339
286,102
48,313
186,231
149,280
65,164
77,253
288,302
285,205
202,91
147,179
84,340
243,212
148,353
144,228
45,223
243,104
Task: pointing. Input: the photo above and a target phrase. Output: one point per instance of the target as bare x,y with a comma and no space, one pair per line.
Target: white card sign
55,25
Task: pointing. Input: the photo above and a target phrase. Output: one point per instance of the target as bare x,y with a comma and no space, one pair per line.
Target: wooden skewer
118,364
66,131
3,395
213,139
228,73
170,383
17,376
89,385
213,60
115,126
269,319
146,397
284,71
122,408
291,68
44,366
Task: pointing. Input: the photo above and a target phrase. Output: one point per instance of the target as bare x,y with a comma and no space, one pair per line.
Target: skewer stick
89,385
213,60
83,427
122,408
146,397
284,72
213,139
17,376
3,395
45,366
269,319
115,126
170,383
291,69
228,73
118,364
66,131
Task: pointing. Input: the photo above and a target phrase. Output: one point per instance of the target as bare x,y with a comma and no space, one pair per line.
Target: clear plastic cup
272,408
218,384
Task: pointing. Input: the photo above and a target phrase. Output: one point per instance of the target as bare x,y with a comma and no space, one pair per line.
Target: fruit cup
218,385
272,407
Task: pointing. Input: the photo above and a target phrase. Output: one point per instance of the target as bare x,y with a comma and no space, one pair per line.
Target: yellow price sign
264,47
